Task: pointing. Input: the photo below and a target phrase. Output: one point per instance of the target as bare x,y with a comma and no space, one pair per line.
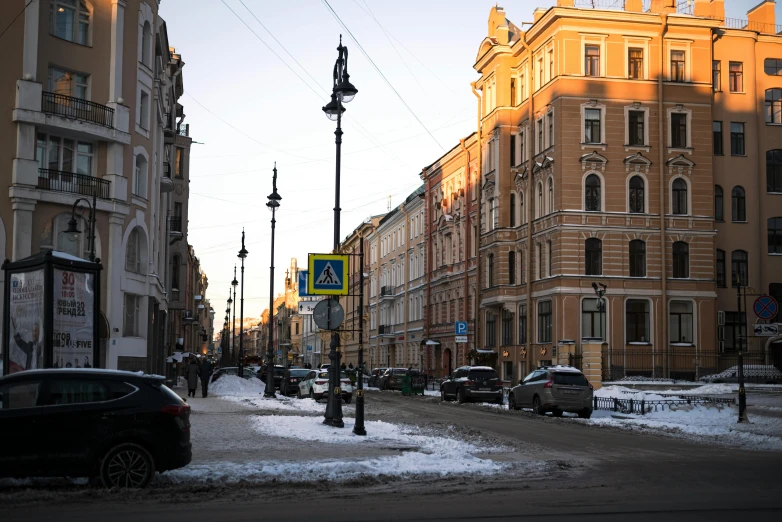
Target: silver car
553,388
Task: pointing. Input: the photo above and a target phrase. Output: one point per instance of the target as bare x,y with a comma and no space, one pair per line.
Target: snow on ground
233,386
281,403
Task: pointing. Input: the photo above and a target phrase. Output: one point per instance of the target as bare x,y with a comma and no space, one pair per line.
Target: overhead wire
16,17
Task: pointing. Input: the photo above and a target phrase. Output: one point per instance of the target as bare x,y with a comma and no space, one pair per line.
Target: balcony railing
166,169
386,291
176,224
78,109
385,329
59,181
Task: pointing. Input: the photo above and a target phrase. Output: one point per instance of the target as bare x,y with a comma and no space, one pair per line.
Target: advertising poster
74,296
26,342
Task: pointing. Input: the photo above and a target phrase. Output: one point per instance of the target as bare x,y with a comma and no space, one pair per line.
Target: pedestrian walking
191,373
206,374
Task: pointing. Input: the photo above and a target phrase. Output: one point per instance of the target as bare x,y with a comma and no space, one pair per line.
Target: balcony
386,292
175,225
166,185
77,109
385,329
59,181
184,130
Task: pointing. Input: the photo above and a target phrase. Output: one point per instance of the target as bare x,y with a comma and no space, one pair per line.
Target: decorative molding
593,161
636,162
680,165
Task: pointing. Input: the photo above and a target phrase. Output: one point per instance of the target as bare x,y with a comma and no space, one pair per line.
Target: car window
299,373
73,391
570,378
529,377
117,389
20,395
323,374
483,374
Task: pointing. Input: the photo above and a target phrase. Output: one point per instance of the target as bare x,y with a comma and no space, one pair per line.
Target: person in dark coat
205,374
191,372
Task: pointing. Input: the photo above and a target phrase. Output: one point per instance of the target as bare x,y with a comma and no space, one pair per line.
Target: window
739,271
592,125
541,270
63,391
550,184
592,318
637,199
522,324
544,322
522,216
541,144
636,129
718,203
678,130
720,268
592,193
635,63
774,226
773,66
679,197
178,163
67,83
738,204
521,267
677,66
140,180
507,328
592,60
513,210
492,214
774,170
736,77
681,260
774,106
144,111
680,322
175,273
130,326
513,91
490,270
735,331
146,45
491,329
550,257
539,210
716,132
637,258
65,155
541,80
736,139
593,256
70,20
521,147
133,252
550,123
716,70
551,65
512,150
512,267
19,395
637,321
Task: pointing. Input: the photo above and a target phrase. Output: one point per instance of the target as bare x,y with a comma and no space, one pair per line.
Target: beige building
93,88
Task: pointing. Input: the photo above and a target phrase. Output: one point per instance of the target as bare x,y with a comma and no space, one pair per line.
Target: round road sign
765,307
328,314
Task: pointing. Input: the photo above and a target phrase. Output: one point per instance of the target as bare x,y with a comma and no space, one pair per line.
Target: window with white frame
680,319
678,62
135,252
64,154
70,20
550,129
550,195
68,83
130,324
592,60
143,107
593,125
146,45
140,176
680,128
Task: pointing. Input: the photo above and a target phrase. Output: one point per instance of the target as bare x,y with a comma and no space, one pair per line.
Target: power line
383,76
16,17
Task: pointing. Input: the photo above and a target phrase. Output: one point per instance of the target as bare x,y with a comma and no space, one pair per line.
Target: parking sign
460,327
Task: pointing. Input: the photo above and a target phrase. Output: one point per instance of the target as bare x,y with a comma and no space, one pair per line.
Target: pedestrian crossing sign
328,274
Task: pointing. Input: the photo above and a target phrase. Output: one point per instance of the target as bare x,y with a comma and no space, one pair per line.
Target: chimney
538,14
762,17
634,6
565,3
702,8
718,9
663,6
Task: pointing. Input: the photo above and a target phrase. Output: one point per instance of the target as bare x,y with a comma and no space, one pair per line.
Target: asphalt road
614,475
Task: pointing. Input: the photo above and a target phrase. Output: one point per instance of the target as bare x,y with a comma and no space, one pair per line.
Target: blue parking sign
460,327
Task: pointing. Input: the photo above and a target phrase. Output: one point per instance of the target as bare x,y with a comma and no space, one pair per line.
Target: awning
485,351
432,343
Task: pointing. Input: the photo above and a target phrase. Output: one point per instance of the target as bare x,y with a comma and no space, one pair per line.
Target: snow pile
621,392
280,403
708,389
233,386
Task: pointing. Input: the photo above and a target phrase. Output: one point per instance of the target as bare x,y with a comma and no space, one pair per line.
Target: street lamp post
242,255
73,226
273,204
358,428
342,92
234,283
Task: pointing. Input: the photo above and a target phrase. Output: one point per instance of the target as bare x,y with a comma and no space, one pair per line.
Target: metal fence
59,181
646,406
77,109
688,365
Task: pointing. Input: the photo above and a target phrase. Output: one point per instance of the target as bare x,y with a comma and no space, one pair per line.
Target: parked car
388,375
291,379
119,427
316,386
231,370
758,373
374,377
472,383
392,379
279,372
553,388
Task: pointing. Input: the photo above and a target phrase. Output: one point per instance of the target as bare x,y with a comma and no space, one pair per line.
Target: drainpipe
661,158
478,287
467,235
405,311
427,269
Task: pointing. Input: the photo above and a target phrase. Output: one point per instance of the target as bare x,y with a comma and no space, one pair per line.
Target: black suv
472,383
117,426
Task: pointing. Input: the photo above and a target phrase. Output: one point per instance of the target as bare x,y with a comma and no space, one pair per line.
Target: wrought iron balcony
386,291
176,224
166,169
385,329
59,181
77,109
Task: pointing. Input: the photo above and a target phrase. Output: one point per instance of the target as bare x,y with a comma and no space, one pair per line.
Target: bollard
643,407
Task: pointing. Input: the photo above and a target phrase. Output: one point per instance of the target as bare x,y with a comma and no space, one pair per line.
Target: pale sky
425,48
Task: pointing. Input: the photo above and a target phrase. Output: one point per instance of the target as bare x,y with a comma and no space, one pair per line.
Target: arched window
774,170
522,324
513,210
136,251
490,270
679,197
550,208
739,268
738,204
637,258
774,226
718,203
175,272
773,105
512,267
146,45
522,216
592,193
507,328
140,181
637,202
593,256
539,206
681,260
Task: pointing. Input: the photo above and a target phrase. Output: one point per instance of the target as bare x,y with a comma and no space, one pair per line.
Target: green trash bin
407,384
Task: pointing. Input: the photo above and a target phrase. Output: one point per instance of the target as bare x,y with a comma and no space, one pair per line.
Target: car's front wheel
127,465
512,402
442,395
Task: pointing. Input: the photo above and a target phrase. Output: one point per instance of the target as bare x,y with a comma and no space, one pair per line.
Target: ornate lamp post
273,204
234,283
73,226
242,254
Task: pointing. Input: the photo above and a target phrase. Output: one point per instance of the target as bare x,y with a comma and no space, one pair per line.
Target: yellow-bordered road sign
328,274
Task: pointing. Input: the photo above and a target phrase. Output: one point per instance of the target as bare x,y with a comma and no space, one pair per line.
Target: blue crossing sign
303,283
461,327
766,307
328,274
